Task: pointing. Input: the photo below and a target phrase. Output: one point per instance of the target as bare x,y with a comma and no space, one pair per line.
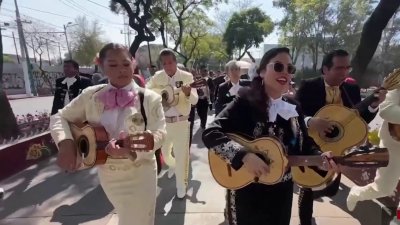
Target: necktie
333,95
117,98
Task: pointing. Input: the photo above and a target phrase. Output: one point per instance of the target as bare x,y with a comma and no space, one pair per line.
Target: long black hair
256,93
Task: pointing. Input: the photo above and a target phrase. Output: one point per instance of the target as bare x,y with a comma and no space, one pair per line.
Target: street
42,194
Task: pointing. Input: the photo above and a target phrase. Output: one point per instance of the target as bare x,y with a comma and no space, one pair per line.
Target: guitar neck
375,161
309,160
367,101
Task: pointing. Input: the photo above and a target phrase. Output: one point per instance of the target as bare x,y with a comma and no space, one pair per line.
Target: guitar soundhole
335,132
335,135
83,146
164,96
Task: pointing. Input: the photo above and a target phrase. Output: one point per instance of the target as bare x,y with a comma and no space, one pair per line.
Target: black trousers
307,196
191,120
158,160
258,204
202,110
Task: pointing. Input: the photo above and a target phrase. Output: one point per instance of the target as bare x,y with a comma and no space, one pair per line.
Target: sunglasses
279,67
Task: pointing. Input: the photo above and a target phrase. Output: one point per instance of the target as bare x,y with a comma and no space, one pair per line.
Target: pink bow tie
117,98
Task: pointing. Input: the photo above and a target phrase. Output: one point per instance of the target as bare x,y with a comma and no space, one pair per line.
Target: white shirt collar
234,89
282,108
69,81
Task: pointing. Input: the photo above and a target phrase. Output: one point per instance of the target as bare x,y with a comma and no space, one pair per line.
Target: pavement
42,195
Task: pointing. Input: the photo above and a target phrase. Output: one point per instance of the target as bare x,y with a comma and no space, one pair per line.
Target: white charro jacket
160,80
87,107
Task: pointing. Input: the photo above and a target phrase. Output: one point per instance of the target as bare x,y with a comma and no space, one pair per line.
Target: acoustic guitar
272,152
349,130
170,94
91,142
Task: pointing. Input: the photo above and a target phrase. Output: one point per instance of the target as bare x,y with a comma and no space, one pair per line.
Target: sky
56,13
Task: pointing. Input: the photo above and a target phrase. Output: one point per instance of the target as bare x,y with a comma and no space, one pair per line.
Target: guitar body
350,130
90,142
394,131
169,98
171,95
311,179
231,179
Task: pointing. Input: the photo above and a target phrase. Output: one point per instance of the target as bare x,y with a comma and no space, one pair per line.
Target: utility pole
66,38
59,49
129,34
16,50
30,87
166,29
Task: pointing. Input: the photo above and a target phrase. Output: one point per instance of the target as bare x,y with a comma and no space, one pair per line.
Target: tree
224,13
139,13
246,29
176,17
38,41
194,33
8,122
371,35
87,41
209,48
318,26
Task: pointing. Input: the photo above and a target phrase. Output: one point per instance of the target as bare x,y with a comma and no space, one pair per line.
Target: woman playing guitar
261,110
129,177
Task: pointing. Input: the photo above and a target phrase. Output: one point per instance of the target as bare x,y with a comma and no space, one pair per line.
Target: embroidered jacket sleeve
215,138
193,97
366,111
155,122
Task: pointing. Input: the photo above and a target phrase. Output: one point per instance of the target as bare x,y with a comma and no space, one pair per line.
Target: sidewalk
42,195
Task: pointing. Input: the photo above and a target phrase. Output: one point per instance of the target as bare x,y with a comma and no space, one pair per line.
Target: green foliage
7,59
322,25
246,29
86,41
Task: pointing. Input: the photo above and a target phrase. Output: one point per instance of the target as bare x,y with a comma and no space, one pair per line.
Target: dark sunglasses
279,67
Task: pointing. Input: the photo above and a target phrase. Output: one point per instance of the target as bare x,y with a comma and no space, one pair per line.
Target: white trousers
132,189
387,178
178,139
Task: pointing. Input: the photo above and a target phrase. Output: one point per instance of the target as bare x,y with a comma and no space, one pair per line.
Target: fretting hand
114,150
186,90
328,163
381,95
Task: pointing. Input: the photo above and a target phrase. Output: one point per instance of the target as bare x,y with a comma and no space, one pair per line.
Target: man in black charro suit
70,86
315,93
228,90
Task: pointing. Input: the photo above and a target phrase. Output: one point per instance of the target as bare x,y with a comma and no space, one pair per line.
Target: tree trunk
8,123
371,35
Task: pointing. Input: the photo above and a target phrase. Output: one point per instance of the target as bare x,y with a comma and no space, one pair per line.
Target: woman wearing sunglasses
262,110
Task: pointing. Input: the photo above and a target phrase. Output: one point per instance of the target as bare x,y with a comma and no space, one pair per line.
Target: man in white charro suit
176,117
386,178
